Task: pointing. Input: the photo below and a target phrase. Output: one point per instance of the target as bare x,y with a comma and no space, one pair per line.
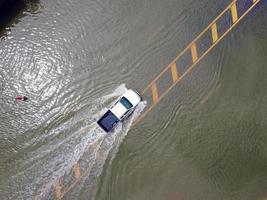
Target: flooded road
73,59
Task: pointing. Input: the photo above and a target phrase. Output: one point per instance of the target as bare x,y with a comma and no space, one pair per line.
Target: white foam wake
89,146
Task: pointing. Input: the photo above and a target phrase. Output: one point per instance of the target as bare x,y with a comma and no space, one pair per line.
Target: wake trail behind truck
90,147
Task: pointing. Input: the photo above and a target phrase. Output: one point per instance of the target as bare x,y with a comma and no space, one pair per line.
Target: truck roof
132,96
119,110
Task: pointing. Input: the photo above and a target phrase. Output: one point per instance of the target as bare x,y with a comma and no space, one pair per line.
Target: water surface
205,140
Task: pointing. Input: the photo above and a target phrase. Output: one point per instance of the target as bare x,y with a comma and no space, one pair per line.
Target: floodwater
205,140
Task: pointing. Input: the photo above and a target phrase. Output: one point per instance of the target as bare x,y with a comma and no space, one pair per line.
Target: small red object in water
21,98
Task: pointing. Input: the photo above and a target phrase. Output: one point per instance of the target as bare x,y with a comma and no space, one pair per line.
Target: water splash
89,146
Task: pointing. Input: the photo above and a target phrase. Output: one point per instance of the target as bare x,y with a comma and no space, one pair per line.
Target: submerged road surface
73,58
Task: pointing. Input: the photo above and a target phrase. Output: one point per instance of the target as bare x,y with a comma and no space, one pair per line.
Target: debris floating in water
21,98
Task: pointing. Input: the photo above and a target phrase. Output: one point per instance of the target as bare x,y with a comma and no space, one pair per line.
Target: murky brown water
205,140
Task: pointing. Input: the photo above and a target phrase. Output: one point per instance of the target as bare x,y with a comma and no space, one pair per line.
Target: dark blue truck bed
108,121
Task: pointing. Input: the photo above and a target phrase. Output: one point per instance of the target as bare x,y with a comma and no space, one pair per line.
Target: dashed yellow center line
216,38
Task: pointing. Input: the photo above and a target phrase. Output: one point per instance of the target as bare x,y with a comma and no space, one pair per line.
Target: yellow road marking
174,72
194,52
69,189
214,32
37,197
97,156
234,12
194,64
58,189
188,47
154,91
77,171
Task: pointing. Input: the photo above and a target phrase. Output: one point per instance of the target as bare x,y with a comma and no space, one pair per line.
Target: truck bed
107,121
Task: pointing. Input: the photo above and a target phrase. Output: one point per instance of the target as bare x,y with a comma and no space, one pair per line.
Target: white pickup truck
121,109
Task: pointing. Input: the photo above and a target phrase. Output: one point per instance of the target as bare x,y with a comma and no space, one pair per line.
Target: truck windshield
126,103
